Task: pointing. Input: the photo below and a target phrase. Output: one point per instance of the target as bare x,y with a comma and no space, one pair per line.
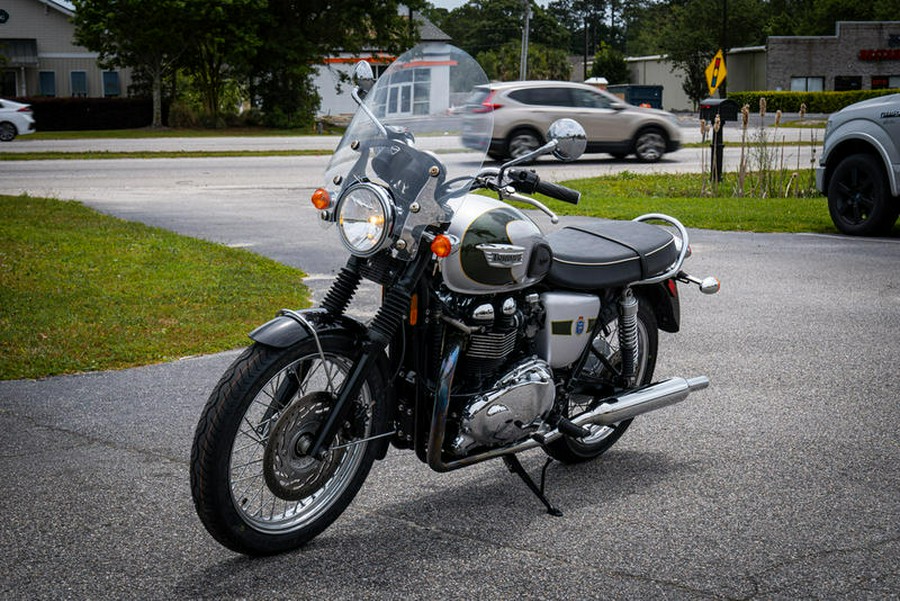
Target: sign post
715,72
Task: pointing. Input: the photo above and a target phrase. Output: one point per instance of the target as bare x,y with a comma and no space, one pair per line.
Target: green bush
816,102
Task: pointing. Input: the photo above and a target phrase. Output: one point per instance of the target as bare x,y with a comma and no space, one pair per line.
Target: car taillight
487,105
24,109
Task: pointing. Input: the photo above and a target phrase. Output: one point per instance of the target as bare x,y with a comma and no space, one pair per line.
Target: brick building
860,56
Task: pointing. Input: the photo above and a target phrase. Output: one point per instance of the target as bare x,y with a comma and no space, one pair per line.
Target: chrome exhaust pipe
636,402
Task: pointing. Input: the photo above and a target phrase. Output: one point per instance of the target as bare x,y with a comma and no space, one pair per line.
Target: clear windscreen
420,103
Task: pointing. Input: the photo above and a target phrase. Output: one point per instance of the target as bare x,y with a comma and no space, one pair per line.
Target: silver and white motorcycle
492,337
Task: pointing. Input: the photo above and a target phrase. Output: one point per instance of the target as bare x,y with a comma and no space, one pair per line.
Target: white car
15,120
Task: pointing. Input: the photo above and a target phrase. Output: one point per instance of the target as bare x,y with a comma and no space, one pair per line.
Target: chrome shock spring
628,335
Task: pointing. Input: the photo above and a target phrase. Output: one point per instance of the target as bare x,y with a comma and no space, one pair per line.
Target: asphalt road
777,482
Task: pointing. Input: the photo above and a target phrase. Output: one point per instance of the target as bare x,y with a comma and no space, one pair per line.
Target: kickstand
515,466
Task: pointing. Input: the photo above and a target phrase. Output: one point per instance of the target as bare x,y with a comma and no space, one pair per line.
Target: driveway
777,482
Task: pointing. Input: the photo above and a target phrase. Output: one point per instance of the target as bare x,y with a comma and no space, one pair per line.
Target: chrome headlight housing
365,217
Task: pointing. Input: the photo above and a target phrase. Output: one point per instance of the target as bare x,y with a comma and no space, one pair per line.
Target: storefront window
882,82
807,84
845,83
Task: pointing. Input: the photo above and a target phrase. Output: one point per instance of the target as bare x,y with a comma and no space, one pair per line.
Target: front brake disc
291,474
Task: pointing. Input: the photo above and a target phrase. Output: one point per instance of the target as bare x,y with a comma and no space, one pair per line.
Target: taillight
24,109
487,105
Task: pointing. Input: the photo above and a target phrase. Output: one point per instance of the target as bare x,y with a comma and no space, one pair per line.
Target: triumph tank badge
579,325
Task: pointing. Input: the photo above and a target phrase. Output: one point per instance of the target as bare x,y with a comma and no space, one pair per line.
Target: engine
502,390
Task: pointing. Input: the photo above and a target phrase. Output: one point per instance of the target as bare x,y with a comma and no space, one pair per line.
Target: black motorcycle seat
606,254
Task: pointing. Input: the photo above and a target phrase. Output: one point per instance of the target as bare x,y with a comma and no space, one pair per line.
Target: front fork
394,309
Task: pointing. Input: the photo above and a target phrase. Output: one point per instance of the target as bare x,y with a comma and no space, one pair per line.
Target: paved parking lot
777,482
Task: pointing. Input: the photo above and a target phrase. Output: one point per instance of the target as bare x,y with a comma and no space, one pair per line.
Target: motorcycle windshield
423,123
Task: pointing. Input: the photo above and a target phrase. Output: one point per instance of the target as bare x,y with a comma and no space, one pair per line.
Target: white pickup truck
860,166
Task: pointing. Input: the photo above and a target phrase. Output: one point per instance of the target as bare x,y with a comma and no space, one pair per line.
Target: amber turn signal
442,246
321,199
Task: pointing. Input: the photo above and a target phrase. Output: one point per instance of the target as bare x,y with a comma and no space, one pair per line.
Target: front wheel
254,488
576,450
7,132
650,145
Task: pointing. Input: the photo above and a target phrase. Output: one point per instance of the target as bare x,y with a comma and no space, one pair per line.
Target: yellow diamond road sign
715,72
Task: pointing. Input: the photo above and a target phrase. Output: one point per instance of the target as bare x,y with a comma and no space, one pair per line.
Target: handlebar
528,182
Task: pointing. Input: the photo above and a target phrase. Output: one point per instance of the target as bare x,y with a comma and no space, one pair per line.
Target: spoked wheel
574,450
255,488
7,132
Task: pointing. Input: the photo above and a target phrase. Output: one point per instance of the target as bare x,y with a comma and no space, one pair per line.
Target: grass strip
82,291
161,154
627,195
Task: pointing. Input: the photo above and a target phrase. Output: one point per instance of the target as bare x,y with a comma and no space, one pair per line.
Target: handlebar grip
558,192
527,181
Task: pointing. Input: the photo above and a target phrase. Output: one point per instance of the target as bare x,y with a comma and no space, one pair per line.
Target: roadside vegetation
627,195
82,291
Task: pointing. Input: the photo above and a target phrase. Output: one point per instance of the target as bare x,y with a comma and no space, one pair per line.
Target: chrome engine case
514,408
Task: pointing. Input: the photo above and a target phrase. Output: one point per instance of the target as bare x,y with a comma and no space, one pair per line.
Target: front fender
284,330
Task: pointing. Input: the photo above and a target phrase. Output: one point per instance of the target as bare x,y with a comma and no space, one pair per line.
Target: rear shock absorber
628,335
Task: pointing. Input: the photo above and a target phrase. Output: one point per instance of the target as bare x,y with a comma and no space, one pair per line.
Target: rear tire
572,450
253,488
858,198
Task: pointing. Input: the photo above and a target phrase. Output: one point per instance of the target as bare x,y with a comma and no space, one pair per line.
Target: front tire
521,142
8,132
650,145
572,450
858,198
254,489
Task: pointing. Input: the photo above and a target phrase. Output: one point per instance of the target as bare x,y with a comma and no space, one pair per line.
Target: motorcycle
492,337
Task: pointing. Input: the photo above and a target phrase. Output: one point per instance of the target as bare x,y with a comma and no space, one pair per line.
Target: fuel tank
500,248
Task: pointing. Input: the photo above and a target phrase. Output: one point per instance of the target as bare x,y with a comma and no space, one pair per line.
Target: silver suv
860,166
523,110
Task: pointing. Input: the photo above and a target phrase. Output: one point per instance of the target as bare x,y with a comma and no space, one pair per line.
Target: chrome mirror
570,138
363,77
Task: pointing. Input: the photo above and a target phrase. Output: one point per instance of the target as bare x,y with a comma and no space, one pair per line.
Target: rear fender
291,327
663,299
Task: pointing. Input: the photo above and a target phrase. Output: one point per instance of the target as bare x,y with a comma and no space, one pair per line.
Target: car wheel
521,142
650,145
858,198
7,132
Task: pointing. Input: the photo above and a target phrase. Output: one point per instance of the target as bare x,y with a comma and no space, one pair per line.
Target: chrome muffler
643,400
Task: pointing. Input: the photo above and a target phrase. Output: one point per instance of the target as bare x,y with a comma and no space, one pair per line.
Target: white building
41,58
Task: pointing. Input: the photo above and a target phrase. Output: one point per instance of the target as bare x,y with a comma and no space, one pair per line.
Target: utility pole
523,63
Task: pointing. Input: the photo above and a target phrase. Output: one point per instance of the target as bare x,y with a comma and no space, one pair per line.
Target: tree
224,41
487,25
610,63
150,37
693,32
503,63
298,34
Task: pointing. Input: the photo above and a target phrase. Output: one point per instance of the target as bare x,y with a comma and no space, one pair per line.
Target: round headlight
365,217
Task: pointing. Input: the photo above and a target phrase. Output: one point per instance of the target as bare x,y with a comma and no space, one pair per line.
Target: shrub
75,114
816,102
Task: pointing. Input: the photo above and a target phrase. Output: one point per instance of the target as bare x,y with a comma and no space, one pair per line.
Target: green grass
83,291
627,195
173,132
156,154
